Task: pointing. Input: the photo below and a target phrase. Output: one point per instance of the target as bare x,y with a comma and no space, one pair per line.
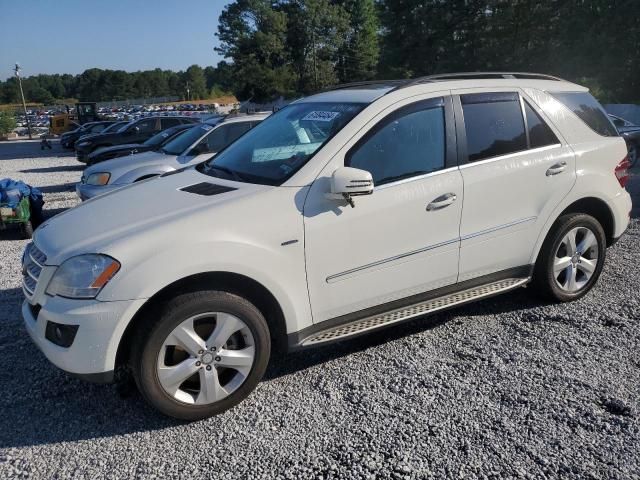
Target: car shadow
63,187
61,408
18,149
63,168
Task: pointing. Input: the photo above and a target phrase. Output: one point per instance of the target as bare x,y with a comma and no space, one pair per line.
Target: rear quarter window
589,111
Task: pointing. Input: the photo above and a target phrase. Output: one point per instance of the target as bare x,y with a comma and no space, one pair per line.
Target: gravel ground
505,388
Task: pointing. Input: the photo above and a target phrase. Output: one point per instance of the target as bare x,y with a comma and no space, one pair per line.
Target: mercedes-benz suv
343,213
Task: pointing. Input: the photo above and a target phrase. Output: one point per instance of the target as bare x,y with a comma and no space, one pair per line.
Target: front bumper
100,327
85,192
82,155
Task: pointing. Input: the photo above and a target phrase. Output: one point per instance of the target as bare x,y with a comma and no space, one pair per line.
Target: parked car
136,132
68,139
152,144
188,148
343,213
631,134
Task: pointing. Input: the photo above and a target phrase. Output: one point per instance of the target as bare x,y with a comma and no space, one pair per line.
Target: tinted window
589,111
169,122
408,143
146,125
540,134
182,141
494,125
216,140
98,128
236,130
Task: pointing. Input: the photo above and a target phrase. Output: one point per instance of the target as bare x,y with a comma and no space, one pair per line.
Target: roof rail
364,84
477,76
472,75
398,84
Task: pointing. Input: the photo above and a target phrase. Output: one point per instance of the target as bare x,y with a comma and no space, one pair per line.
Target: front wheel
571,258
203,354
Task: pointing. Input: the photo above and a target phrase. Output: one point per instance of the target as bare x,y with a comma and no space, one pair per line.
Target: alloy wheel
206,358
576,259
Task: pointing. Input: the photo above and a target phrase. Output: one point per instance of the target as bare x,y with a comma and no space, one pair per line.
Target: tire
158,352
27,229
563,283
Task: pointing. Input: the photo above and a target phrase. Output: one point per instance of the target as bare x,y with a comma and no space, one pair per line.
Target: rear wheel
203,354
571,258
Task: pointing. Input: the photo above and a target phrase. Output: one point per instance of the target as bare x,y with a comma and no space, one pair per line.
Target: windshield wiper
227,170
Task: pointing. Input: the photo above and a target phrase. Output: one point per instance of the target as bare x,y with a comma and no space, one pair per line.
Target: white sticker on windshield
206,128
317,116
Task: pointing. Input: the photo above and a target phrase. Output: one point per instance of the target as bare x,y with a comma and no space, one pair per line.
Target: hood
118,166
104,223
119,148
101,137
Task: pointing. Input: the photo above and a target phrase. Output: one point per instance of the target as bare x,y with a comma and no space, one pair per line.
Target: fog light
61,335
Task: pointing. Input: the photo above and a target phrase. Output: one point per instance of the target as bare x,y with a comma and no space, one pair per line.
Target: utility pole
24,105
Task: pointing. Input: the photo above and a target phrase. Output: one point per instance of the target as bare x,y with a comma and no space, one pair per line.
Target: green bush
7,123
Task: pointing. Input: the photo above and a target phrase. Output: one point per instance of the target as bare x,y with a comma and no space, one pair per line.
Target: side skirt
381,316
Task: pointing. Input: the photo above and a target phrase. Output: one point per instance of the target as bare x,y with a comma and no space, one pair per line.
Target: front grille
34,260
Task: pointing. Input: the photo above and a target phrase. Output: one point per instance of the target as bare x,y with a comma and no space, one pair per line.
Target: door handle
556,169
442,201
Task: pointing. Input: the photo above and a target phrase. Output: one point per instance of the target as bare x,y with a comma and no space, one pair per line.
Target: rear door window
494,124
588,110
169,122
148,125
540,135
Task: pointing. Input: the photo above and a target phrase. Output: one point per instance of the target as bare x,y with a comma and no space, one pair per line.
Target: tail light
622,171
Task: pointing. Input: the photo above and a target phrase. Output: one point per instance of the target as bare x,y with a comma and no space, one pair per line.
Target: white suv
342,213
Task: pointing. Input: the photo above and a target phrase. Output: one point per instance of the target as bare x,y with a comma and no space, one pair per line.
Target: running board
422,308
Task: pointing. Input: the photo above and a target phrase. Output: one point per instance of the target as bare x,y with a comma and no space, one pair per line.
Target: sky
70,36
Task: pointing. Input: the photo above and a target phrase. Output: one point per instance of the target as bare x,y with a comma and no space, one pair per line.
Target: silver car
188,148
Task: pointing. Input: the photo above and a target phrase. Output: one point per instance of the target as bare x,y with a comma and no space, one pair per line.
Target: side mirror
347,182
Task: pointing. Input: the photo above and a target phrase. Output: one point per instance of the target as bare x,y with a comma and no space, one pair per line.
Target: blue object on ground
12,191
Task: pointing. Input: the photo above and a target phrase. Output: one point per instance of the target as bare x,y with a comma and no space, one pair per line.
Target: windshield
274,150
112,128
124,127
184,140
159,138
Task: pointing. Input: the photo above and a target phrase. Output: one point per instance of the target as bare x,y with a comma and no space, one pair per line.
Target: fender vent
207,189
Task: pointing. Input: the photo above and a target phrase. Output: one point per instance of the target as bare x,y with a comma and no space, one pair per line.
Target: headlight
101,178
26,252
84,144
83,276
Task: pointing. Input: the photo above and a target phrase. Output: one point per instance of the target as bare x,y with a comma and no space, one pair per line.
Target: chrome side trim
415,310
499,227
509,155
416,178
336,276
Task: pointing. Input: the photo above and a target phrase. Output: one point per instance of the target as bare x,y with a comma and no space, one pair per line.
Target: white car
345,212
187,148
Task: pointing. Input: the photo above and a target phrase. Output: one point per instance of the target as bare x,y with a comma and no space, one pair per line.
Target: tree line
99,85
274,48
293,47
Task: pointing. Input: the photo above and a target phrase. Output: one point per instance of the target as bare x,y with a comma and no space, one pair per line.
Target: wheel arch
590,205
599,210
230,282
